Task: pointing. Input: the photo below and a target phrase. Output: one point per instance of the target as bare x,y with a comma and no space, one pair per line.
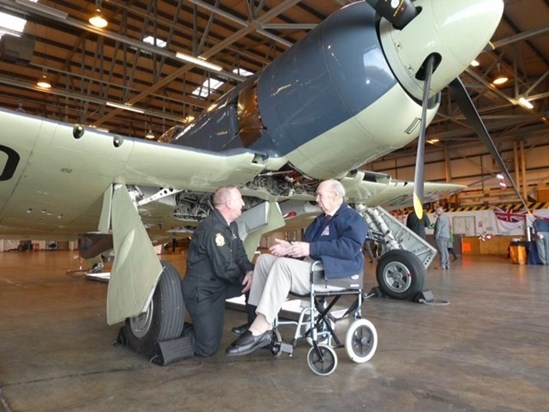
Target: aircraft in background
363,83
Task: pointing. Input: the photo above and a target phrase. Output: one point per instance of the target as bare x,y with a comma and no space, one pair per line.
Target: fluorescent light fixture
433,141
125,106
527,104
42,8
198,61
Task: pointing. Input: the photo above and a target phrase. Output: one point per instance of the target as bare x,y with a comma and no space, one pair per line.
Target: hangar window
11,24
211,85
155,41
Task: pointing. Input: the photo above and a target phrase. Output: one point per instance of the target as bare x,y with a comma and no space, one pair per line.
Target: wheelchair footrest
286,348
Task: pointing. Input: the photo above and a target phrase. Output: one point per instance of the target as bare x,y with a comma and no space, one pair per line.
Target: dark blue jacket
338,244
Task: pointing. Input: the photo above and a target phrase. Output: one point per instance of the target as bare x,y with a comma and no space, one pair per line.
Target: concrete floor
488,350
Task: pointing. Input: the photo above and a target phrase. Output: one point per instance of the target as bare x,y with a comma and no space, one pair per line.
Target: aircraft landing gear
400,274
163,319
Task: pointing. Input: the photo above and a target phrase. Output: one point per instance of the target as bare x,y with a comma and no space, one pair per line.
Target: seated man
335,237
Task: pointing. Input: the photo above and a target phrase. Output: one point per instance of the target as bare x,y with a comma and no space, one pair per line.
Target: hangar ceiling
90,67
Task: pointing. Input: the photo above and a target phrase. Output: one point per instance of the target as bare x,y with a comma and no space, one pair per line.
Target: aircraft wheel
322,361
400,274
164,317
361,341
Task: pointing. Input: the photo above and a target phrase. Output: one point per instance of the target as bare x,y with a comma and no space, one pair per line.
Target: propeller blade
418,175
459,92
398,13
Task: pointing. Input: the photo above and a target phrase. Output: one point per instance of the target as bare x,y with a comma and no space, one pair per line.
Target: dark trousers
207,311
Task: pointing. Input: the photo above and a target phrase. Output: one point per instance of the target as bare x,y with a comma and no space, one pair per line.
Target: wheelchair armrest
317,266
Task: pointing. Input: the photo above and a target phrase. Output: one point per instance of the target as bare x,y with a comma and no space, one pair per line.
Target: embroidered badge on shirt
219,240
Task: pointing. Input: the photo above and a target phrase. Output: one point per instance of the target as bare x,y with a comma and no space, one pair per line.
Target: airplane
364,82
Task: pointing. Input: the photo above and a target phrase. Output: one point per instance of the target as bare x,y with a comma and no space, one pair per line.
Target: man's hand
247,281
281,248
292,249
299,249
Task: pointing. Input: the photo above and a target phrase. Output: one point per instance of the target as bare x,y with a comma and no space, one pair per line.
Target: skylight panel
211,85
155,41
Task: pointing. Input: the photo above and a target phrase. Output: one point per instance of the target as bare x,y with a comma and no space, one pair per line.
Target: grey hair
335,186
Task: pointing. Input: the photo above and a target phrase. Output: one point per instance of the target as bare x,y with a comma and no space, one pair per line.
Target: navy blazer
338,242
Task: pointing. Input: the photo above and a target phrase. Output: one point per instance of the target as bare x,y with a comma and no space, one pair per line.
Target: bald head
228,201
330,195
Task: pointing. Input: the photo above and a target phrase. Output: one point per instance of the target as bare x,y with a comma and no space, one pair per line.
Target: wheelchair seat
317,322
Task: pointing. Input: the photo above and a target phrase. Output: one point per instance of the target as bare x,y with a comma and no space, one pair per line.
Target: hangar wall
470,164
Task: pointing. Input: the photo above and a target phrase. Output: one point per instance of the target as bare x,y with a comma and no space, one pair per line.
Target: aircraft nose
455,31
466,26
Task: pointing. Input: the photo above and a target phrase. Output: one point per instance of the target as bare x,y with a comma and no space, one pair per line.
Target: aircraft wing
52,182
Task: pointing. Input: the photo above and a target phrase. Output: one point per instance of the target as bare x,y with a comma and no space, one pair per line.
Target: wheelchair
317,320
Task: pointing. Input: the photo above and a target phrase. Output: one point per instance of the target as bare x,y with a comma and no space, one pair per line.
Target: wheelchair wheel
277,341
322,361
361,340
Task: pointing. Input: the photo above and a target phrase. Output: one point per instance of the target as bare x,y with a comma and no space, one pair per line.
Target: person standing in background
417,225
442,237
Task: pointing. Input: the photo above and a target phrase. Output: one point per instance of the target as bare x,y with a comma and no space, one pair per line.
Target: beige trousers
274,277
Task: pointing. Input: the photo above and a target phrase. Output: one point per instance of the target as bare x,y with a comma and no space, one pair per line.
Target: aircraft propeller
398,12
463,100
418,176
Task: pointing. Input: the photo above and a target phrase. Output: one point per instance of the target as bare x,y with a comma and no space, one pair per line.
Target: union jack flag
509,215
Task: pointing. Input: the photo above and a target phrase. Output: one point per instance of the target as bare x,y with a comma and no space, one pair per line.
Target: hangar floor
487,350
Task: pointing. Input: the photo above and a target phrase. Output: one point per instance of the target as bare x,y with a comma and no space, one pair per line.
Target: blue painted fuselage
332,75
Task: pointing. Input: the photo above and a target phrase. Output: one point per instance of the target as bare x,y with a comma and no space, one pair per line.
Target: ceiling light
125,106
97,20
43,82
500,79
149,135
198,61
527,104
475,63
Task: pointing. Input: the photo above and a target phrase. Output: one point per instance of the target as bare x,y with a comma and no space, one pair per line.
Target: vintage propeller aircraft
363,83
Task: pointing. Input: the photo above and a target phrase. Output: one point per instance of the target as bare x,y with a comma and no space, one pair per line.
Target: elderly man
217,269
335,237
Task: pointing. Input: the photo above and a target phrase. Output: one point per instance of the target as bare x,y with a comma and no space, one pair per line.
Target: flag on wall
510,221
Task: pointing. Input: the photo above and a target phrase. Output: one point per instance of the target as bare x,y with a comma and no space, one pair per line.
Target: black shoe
239,330
248,343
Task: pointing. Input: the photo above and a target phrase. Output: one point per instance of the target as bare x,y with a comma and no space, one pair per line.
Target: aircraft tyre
400,274
361,340
322,360
164,317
